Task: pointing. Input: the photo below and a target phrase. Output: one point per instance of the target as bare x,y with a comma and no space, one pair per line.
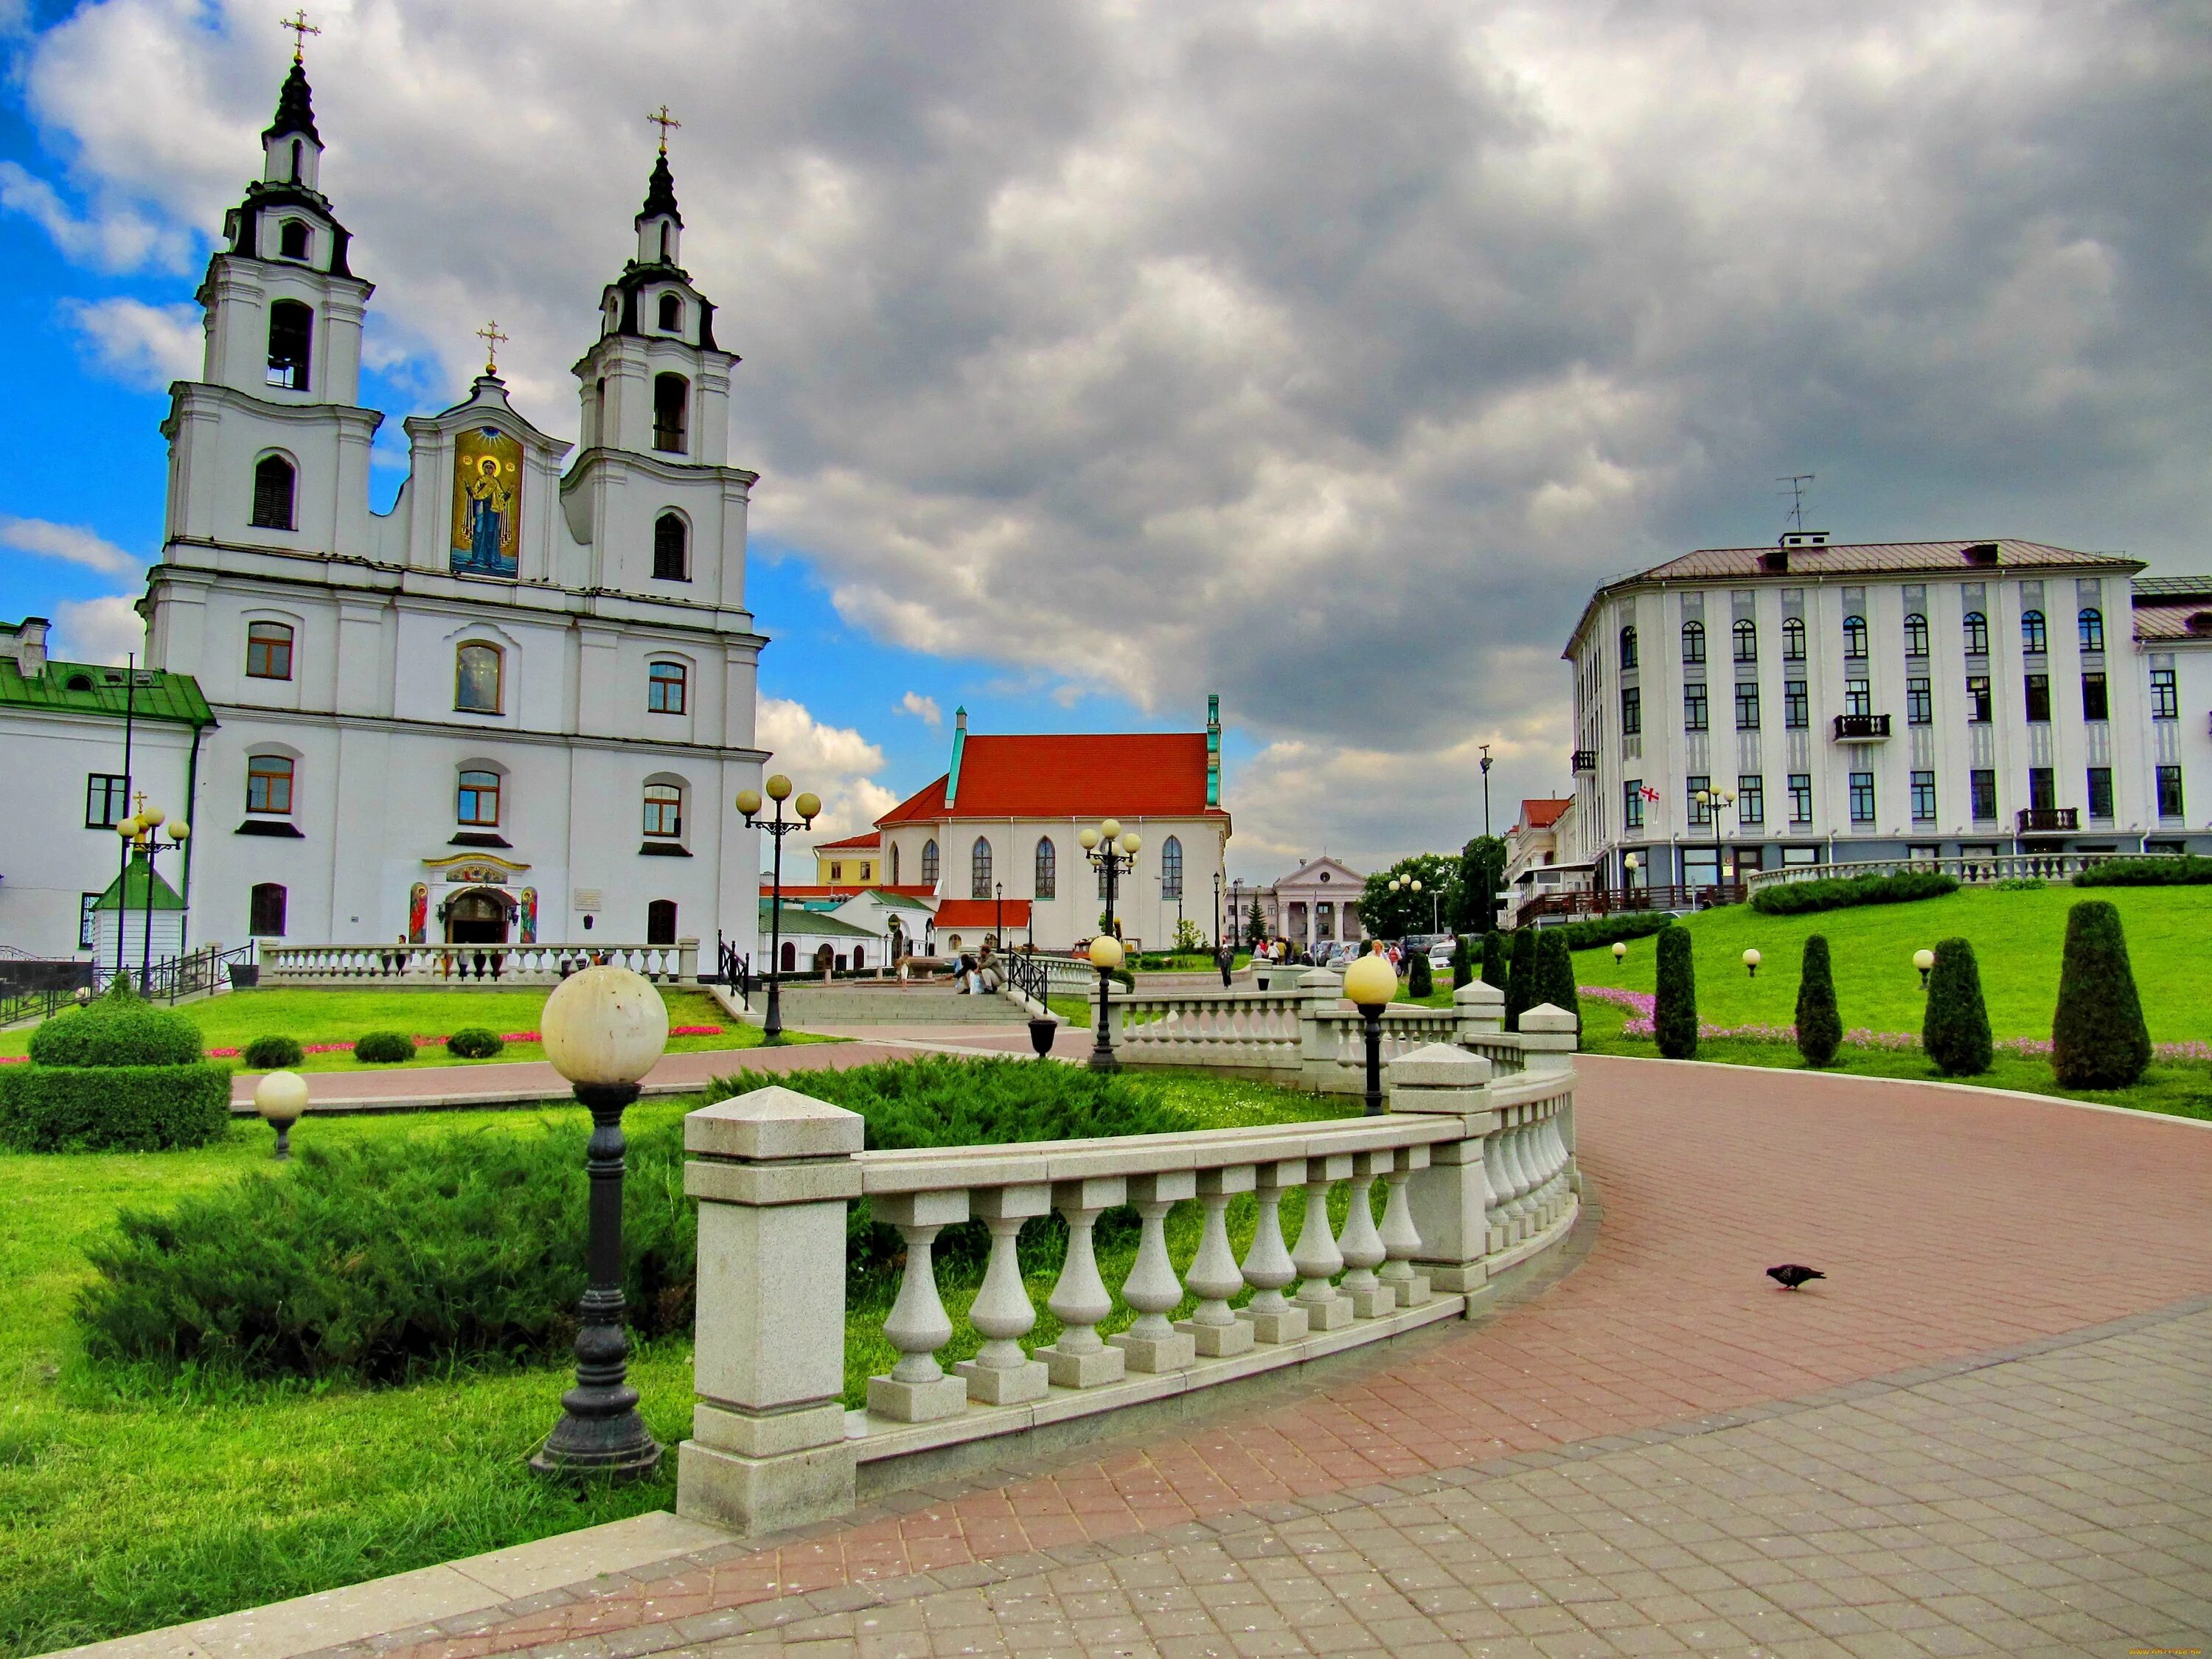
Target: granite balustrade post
1449,1202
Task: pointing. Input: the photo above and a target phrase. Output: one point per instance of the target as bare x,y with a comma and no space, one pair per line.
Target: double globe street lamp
807,807
1112,852
142,836
1413,884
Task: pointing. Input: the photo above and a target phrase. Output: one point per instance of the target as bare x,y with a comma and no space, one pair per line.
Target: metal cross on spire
661,118
302,28
493,340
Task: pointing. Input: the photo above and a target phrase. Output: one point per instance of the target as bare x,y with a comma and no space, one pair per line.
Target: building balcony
1585,760
2046,820
1861,728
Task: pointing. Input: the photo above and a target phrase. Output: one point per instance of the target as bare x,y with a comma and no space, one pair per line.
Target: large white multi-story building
1884,701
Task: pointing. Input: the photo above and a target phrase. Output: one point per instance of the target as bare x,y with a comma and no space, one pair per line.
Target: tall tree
1481,873
1386,914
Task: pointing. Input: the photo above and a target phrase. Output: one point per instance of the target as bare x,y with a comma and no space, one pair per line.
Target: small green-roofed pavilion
128,891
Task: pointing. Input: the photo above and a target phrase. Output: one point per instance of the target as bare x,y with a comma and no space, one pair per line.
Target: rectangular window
2101,792
1751,798
2169,791
269,784
1746,706
1919,702
1978,699
1801,798
1923,798
1631,711
106,800
476,801
88,921
1796,706
1693,707
268,651
1632,804
1858,698
1861,798
1982,786
2039,699
2164,695
1701,814
2096,704
2042,788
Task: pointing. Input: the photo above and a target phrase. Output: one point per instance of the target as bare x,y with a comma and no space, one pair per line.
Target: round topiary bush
2098,1037
384,1048
1820,1026
1956,1032
474,1042
271,1053
1674,1012
119,1029
118,1074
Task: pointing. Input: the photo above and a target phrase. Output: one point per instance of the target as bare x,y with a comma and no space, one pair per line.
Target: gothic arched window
2031,635
1977,634
671,409
1694,642
1628,647
979,869
1916,635
672,311
929,863
476,676
1747,639
2091,624
672,551
274,482
1793,638
1854,636
268,651
1048,868
291,341
1171,868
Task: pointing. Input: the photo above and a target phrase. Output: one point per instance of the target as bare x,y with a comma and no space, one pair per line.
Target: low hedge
119,1029
271,1053
474,1042
1601,931
384,1048
1799,898
129,1109
2164,870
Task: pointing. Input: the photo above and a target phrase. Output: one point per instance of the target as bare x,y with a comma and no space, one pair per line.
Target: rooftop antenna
1798,481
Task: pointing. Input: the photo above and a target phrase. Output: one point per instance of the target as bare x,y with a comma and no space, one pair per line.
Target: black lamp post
1485,790
999,893
1111,851
1717,801
141,834
749,803
1371,983
604,1029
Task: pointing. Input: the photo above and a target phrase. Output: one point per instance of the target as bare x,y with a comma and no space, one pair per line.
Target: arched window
1916,635
268,651
1854,636
671,560
790,962
1977,634
1628,647
265,911
664,687
1171,868
1793,638
292,240
671,409
979,869
1048,868
1694,642
299,155
477,800
273,482
476,676
672,311
269,785
660,922
2091,624
860,957
1747,639
894,863
291,341
667,248
663,811
929,864
2033,639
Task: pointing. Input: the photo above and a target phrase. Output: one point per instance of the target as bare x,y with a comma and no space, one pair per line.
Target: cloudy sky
1100,354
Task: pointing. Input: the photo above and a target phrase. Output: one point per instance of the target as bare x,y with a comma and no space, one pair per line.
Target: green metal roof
80,688
892,901
813,923
131,886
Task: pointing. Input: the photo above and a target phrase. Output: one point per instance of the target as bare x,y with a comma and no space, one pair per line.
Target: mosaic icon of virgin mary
487,503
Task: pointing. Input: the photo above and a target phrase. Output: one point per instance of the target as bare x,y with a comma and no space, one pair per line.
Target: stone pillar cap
1439,1065
1321,978
1545,1017
1478,990
774,1122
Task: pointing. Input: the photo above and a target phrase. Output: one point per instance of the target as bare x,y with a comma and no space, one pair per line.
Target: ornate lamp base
599,1433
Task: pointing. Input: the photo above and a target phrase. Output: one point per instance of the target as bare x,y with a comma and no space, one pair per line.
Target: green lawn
138,1500
235,1019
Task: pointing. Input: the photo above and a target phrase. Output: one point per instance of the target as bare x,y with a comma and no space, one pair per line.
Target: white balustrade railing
1975,871
441,964
1475,1170
1249,1029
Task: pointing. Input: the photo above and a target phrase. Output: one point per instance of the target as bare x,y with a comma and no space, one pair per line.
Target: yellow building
855,862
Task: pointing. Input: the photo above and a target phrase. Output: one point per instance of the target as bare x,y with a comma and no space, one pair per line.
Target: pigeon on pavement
1790,1275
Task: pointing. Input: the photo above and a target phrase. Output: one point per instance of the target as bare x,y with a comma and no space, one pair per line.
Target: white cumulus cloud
145,346
834,761
112,237
70,543
105,630
924,709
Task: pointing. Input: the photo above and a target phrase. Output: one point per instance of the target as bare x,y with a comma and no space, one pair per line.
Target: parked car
1440,958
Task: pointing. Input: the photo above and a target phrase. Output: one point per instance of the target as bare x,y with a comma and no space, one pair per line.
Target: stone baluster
1513,1183
1000,1374
1401,1240
918,1391
1360,1245
1268,1265
1451,1199
1215,1331
1150,1343
1317,1260
1081,1357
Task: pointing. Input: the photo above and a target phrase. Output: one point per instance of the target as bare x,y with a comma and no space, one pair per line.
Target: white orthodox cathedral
517,706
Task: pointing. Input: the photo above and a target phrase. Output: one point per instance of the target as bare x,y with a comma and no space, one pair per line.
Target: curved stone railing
1969,871
1240,1032
1476,1171
441,964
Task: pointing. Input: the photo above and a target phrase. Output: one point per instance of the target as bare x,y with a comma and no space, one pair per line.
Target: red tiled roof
867,838
807,890
2173,622
981,913
1542,814
1127,775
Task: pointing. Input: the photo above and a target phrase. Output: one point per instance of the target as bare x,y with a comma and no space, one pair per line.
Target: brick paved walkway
1953,1228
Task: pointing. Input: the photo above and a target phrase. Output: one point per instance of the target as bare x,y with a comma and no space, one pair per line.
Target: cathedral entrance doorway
478,916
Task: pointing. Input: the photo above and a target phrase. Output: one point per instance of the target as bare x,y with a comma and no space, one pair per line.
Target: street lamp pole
1717,801
142,833
1111,852
1486,789
807,806
999,893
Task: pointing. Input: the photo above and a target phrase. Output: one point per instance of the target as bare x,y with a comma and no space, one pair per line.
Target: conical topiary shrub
1674,1015
1418,982
1955,1031
1555,974
1520,978
1494,952
2098,1037
1820,1027
1463,963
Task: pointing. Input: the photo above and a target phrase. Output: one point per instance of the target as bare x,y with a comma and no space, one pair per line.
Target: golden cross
664,121
493,340
302,28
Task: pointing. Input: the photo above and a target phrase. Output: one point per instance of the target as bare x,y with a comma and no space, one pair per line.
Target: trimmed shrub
1799,898
1496,959
1601,931
1462,961
119,1029
2020,884
1955,1031
271,1053
1674,1013
1820,1027
1520,977
1555,974
2164,870
1419,980
2098,1037
130,1109
384,1048
474,1042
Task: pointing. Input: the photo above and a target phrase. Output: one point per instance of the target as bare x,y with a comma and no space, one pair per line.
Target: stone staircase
851,1003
